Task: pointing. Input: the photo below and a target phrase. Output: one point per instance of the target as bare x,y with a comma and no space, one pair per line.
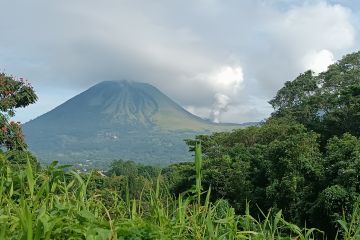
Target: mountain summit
113,120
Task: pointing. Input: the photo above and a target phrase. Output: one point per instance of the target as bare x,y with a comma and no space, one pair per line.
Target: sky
219,59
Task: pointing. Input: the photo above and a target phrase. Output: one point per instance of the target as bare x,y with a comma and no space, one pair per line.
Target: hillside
114,120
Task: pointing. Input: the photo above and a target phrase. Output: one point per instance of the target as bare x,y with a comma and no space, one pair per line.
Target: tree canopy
304,159
13,94
328,103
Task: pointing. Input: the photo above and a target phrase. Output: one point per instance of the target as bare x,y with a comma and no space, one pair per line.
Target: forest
294,176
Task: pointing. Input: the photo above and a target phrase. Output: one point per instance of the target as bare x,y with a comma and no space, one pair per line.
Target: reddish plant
13,94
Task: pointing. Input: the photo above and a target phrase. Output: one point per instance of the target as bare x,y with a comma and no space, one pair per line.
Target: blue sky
219,59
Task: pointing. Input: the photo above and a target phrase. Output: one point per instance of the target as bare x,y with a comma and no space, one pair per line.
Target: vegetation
13,94
57,204
328,103
301,166
280,166
304,160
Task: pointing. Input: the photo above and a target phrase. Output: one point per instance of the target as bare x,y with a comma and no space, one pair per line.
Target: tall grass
54,204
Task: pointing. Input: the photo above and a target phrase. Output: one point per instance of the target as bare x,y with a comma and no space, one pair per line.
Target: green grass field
55,204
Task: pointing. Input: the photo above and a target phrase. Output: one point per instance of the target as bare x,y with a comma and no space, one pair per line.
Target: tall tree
13,94
328,103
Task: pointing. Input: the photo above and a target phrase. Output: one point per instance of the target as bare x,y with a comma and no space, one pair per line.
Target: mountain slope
113,120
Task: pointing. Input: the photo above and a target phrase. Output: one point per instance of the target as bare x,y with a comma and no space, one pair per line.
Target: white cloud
228,79
224,83
318,61
190,51
317,26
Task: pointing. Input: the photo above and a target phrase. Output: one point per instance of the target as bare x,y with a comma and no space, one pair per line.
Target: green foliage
304,160
131,178
341,183
19,159
328,103
350,225
280,165
343,162
13,94
302,164
180,177
130,168
277,165
57,204
296,98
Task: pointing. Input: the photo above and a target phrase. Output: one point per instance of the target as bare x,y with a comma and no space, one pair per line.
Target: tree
328,103
13,94
294,99
304,160
341,182
294,171
275,165
138,177
343,162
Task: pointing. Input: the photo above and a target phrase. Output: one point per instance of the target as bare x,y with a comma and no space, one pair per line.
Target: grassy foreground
55,204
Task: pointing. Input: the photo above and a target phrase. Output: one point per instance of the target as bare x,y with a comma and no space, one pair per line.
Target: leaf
86,215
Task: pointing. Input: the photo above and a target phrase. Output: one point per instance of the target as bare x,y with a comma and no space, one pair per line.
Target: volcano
117,120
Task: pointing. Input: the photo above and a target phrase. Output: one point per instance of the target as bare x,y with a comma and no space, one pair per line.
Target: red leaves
12,136
14,93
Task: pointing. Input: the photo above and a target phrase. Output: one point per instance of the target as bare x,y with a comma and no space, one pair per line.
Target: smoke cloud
221,105
228,82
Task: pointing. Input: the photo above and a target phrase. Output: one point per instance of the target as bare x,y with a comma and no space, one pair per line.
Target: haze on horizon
218,59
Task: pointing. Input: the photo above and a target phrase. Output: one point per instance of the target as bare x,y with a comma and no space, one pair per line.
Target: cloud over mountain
114,120
177,46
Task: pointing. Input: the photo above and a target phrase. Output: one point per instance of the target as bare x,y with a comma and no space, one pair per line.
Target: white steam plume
227,82
220,105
